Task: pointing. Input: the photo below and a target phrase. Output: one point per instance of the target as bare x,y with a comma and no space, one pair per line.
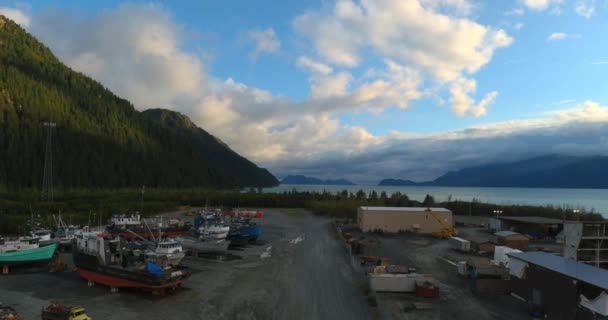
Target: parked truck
56,311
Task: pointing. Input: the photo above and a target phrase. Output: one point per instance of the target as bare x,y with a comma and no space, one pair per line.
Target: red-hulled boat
115,264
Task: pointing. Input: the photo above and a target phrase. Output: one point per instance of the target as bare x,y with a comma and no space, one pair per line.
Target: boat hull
118,282
90,269
48,242
238,239
209,246
253,231
147,235
28,257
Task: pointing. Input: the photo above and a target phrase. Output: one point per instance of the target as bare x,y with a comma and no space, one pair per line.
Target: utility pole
47,180
143,190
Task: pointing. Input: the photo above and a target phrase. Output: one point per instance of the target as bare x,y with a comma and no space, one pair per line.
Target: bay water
587,199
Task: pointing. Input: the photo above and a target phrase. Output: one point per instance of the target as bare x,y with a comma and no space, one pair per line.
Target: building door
536,298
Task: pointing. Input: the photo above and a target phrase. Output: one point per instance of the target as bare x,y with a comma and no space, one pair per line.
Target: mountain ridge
301,179
100,140
548,171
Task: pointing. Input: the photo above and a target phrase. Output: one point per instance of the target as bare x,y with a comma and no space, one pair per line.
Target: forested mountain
551,171
299,179
100,139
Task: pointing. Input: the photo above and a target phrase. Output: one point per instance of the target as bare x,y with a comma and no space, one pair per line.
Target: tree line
78,205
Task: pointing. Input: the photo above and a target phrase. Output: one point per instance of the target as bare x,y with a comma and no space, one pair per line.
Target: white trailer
460,244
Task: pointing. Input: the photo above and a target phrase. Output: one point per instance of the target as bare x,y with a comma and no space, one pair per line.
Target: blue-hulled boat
253,230
238,237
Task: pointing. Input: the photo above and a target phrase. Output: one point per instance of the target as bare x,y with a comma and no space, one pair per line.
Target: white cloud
330,85
463,104
585,8
134,50
458,7
518,26
578,131
17,15
540,5
412,33
556,36
313,66
266,41
450,46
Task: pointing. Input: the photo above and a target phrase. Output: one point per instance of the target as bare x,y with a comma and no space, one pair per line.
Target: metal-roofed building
512,239
397,219
558,287
536,227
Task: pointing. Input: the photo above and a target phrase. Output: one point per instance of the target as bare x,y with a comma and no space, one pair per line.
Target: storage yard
309,267
298,270
433,256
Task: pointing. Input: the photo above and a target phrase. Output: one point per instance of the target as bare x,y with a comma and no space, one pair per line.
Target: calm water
596,199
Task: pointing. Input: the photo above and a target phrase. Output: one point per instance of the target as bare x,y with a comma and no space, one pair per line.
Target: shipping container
460,244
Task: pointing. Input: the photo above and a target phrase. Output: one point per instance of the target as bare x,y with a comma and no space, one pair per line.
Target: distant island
300,179
550,171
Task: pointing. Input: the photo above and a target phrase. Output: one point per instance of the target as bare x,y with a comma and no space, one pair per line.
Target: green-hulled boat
28,256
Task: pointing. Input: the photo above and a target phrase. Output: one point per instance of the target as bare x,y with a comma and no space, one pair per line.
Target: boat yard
304,266
297,269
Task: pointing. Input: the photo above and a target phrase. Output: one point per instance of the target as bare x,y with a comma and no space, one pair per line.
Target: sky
363,89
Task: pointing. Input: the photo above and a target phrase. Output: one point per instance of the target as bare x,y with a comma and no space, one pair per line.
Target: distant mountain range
299,179
551,171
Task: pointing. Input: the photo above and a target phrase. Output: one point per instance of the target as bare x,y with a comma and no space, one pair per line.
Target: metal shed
512,239
535,227
398,219
558,287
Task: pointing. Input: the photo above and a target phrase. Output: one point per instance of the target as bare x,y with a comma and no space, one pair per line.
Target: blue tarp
153,268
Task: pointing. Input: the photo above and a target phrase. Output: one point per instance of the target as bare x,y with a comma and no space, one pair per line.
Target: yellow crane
447,230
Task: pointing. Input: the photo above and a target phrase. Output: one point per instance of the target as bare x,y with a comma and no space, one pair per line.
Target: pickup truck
56,311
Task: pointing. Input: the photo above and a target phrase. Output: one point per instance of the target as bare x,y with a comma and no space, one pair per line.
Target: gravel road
298,271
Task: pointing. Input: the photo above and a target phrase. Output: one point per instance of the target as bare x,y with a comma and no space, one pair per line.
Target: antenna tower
47,180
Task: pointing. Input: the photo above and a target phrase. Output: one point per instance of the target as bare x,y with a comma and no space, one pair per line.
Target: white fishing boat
204,244
45,237
21,244
167,253
210,224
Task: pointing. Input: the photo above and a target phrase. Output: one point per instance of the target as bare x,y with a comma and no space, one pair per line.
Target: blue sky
298,85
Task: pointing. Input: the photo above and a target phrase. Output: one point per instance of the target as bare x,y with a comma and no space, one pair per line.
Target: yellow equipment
447,231
56,311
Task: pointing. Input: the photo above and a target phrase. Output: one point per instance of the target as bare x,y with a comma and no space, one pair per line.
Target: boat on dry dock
204,244
133,226
113,263
25,251
167,253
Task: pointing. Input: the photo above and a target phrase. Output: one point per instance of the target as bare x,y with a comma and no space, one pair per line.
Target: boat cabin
168,247
124,220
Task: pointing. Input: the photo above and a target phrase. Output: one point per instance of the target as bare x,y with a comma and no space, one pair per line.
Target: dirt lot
299,271
428,256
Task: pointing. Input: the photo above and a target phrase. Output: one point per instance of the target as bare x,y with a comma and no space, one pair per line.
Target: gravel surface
298,271
456,300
